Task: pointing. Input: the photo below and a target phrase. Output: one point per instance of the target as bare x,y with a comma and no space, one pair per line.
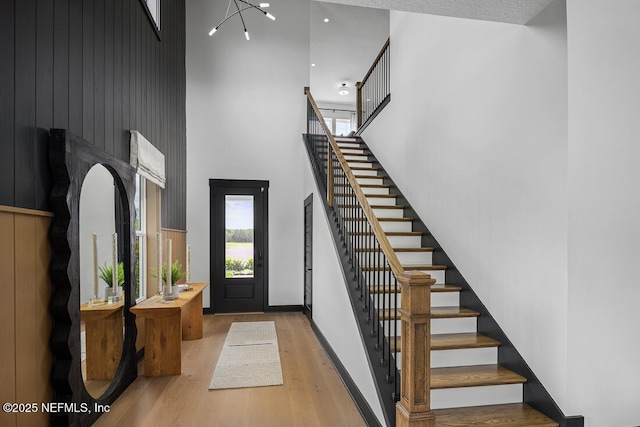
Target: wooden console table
104,337
167,324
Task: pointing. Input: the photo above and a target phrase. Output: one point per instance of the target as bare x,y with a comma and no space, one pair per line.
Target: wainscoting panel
24,313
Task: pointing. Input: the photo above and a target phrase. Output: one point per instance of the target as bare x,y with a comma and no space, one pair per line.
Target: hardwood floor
312,394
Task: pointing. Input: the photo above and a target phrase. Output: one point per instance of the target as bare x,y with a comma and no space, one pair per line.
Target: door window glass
239,236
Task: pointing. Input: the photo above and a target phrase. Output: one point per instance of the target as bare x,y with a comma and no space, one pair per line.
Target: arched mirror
94,333
101,296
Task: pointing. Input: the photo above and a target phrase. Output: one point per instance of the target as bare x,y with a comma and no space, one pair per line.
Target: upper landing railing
374,91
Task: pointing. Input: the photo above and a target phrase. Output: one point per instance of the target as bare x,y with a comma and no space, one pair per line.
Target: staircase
468,386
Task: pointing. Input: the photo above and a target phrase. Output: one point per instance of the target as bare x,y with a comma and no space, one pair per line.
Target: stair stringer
534,392
386,390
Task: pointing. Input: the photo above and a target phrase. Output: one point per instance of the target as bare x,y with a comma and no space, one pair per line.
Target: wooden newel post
359,104
414,407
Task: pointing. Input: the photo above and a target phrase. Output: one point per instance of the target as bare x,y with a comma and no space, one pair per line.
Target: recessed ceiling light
326,19
313,65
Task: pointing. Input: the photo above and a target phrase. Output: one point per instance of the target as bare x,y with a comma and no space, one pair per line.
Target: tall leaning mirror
94,334
101,296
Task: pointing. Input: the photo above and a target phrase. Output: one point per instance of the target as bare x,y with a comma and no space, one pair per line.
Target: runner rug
249,358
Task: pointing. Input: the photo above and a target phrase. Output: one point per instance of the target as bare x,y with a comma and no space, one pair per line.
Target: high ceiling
344,48
510,11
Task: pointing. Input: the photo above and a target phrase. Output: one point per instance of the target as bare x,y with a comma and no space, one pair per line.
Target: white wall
475,136
331,309
245,117
604,211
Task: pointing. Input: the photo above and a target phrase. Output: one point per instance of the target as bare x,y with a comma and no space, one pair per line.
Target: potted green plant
106,274
176,272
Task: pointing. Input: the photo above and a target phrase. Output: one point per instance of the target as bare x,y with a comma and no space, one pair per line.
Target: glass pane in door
239,233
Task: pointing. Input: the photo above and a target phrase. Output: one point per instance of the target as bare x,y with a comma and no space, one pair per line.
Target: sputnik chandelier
245,5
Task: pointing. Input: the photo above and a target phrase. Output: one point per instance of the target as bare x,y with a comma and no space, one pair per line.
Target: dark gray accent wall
97,68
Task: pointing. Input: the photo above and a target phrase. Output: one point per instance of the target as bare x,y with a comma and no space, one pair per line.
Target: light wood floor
312,394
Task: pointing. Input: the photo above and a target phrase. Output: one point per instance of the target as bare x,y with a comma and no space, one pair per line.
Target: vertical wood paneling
98,73
44,93
24,336
25,103
118,136
61,64
44,322
76,86
7,317
97,68
7,119
87,70
108,76
25,298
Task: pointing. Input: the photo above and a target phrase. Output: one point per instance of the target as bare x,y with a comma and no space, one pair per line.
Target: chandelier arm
230,16
253,6
240,13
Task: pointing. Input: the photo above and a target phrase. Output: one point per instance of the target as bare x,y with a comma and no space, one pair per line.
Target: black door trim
307,308
240,183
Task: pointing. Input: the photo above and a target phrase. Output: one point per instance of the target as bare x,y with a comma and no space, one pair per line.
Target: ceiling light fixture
246,5
326,19
344,90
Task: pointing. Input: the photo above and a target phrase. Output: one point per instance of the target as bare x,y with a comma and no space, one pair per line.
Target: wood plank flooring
312,394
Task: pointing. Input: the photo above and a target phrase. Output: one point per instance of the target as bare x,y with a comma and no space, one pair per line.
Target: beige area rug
249,358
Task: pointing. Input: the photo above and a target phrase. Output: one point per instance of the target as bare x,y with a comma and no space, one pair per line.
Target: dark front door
238,245
308,252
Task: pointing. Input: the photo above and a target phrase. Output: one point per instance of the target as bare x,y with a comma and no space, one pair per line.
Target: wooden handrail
386,247
375,62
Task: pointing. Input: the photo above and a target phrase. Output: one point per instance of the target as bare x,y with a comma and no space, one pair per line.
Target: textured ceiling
510,11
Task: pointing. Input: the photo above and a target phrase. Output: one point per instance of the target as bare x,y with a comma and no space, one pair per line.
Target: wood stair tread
366,185
380,219
425,267
396,249
389,233
434,288
350,206
453,341
436,313
473,376
379,196
452,312
505,415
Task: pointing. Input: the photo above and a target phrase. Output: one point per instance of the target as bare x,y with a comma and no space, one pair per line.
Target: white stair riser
371,181
359,165
374,190
368,172
381,201
348,157
459,357
396,226
396,241
476,396
438,299
351,150
464,357
414,257
458,325
388,213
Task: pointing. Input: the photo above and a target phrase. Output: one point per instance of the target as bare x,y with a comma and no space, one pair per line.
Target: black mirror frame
70,158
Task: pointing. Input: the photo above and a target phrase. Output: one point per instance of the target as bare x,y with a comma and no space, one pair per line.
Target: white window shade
147,159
